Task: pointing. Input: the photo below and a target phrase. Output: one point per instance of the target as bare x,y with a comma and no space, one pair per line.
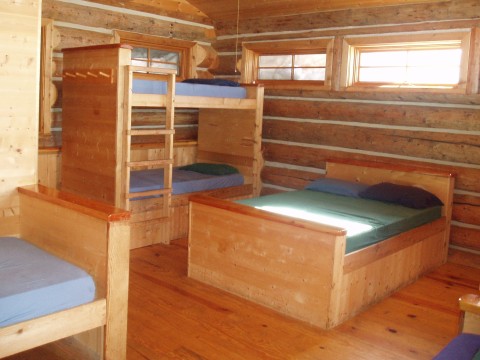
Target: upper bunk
193,93
151,92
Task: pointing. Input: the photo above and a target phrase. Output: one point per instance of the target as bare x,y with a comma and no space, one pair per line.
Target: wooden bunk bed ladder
165,163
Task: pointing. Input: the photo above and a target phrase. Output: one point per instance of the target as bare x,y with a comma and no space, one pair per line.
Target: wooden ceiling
213,11
250,9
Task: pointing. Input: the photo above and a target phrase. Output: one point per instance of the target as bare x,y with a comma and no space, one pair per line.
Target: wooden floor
173,317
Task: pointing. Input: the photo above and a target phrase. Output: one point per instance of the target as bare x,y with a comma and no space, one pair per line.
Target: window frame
251,53
183,47
353,45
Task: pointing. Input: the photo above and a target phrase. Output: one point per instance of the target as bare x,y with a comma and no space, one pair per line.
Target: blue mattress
141,86
183,181
34,283
366,221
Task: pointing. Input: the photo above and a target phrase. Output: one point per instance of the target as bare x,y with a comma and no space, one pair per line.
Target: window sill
400,89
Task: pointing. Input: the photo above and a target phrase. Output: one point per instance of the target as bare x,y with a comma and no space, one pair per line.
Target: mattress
366,221
183,181
34,283
142,86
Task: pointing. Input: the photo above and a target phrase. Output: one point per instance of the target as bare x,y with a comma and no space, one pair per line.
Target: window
159,52
157,58
429,62
287,63
292,67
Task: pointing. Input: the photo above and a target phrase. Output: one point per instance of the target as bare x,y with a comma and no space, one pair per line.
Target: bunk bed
65,241
306,269
100,91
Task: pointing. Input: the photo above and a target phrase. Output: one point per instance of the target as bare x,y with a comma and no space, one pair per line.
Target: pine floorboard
173,317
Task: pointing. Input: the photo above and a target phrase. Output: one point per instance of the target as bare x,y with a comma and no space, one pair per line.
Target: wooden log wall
19,100
302,128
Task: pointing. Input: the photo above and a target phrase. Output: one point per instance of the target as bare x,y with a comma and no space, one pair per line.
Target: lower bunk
314,271
65,274
149,224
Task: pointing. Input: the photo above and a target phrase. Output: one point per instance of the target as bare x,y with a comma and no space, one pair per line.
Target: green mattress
366,221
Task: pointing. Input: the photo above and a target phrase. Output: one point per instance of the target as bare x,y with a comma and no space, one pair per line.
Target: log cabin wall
19,63
78,23
302,128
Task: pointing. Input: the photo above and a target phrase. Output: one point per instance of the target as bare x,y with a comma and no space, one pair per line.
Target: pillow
210,169
337,186
219,82
410,196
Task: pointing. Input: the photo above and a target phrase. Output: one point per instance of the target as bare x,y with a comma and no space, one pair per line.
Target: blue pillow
409,196
337,186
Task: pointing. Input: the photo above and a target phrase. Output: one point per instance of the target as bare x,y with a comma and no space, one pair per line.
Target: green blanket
366,221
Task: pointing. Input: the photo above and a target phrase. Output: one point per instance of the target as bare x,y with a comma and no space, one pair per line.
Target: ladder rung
139,132
149,193
139,164
153,221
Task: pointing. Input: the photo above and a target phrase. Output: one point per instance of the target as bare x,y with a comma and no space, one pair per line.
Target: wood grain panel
19,104
415,116
466,178
49,165
227,9
399,97
104,19
180,9
467,209
422,144
289,178
241,264
228,43
71,37
408,13
465,258
465,237
145,117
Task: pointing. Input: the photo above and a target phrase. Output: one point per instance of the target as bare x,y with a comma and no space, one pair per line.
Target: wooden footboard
147,226
300,268
94,237
287,265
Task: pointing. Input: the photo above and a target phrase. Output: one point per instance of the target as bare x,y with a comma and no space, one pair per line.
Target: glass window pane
165,56
412,66
316,60
309,74
275,74
275,61
384,58
442,57
140,53
163,65
383,75
136,62
433,75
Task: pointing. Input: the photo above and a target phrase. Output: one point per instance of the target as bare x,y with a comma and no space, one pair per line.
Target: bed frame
97,146
94,237
300,268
